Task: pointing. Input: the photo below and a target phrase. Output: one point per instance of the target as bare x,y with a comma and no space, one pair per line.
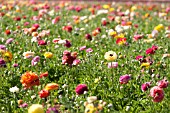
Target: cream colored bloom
36,108
110,56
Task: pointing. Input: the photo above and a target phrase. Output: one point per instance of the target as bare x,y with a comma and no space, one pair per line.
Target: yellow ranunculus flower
120,36
90,108
110,56
48,54
159,27
7,56
145,65
106,6
36,108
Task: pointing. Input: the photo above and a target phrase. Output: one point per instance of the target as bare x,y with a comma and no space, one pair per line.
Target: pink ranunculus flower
163,83
81,88
82,48
2,47
89,50
10,40
112,64
124,79
35,60
157,94
42,42
139,57
76,62
145,86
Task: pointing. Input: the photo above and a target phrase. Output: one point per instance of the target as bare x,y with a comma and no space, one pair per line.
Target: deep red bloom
42,42
17,18
88,37
68,44
67,28
44,93
145,86
36,26
7,32
44,75
81,88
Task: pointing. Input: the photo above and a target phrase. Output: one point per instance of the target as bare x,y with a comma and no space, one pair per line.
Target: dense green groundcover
102,82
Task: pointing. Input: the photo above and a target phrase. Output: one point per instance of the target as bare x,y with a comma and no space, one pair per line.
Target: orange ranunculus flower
29,79
51,86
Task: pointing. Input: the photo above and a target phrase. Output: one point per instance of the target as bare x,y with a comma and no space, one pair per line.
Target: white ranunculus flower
14,89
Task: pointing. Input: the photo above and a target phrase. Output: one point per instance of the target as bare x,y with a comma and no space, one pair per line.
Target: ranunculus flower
36,108
7,56
124,79
54,21
76,62
42,42
14,89
121,41
110,56
88,37
44,93
24,105
147,65
8,32
159,27
112,64
2,63
35,60
43,74
89,50
82,48
157,94
29,79
145,86
28,54
67,44
137,37
81,88
2,47
15,65
51,86
52,110
67,28
163,83
48,55
150,51
9,40
139,57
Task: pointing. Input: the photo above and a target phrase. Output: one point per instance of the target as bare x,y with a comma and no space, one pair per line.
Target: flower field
68,57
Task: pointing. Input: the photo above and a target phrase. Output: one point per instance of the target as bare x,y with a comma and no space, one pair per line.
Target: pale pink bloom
89,50
76,62
10,40
157,93
112,64
82,48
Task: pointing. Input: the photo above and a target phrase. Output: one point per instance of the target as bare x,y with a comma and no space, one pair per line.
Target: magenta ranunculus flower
2,47
139,57
10,40
42,42
145,86
15,65
89,50
124,79
81,88
157,93
35,60
2,63
52,110
150,51
112,64
163,83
